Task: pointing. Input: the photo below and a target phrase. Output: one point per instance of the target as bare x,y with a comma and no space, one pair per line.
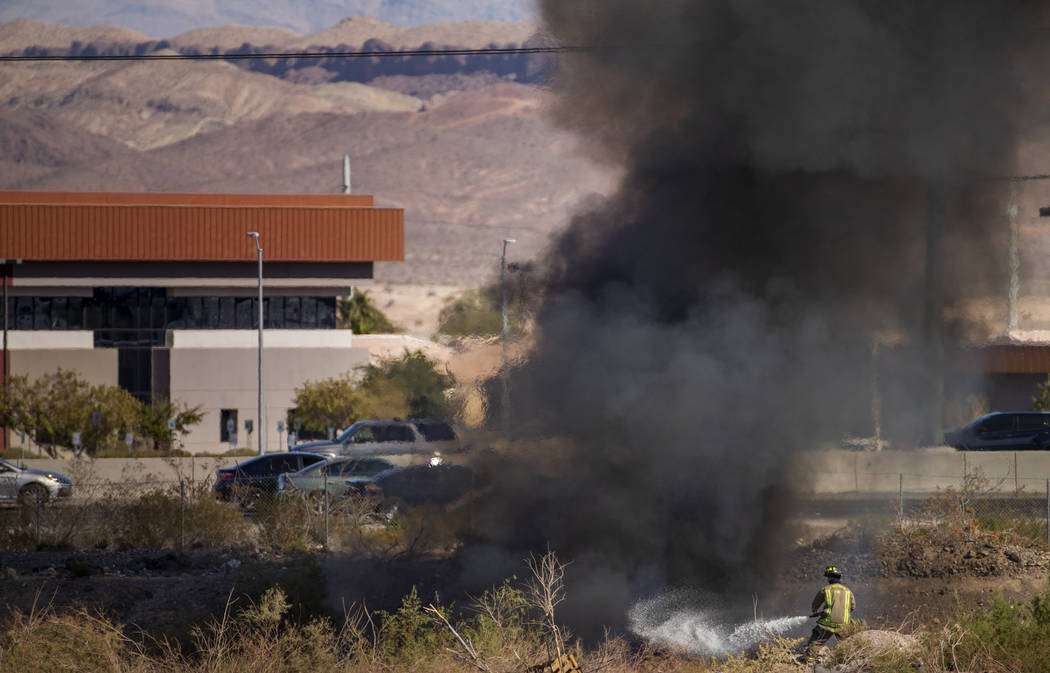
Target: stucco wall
97,366
227,378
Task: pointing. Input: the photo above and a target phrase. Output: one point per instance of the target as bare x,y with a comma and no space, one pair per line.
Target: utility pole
262,423
6,264
1014,263
505,403
933,305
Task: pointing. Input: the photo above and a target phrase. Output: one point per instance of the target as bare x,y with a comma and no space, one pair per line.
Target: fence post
182,514
326,510
900,498
1017,480
1048,512
38,502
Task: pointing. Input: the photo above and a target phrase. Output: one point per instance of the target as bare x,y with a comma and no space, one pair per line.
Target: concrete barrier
135,470
823,472
922,471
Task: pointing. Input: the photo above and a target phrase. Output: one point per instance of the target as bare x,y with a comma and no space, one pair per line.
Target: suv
1003,431
389,438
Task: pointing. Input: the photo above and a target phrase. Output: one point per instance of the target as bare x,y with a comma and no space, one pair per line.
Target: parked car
338,472
30,485
440,484
390,437
1003,431
258,475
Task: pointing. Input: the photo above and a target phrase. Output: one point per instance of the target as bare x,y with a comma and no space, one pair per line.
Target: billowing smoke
784,165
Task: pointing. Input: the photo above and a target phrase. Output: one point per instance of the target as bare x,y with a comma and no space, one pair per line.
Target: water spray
696,631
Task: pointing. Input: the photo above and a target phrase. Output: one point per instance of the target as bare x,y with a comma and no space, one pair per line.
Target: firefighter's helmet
832,573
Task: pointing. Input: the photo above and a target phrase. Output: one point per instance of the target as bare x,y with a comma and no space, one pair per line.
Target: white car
30,485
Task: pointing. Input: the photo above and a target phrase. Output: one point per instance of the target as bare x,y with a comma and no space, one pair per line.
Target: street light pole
505,404
6,263
262,424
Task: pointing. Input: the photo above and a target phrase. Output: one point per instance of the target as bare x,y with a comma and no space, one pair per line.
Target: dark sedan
258,475
1003,431
441,484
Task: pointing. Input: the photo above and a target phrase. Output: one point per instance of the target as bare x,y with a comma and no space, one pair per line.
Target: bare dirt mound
968,557
356,30
232,37
22,33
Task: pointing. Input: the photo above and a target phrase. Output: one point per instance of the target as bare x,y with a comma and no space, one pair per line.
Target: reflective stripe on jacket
836,602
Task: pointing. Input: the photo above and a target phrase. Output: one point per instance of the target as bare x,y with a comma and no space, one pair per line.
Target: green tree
54,406
1041,401
152,422
471,313
333,401
409,385
418,379
359,314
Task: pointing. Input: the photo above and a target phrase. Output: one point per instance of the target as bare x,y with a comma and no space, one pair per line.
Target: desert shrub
359,314
472,313
769,656
82,641
410,636
967,513
263,638
1011,636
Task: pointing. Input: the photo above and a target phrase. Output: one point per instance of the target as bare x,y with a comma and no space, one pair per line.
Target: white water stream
696,632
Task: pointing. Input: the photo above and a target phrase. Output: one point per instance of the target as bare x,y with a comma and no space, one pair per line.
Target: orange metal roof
188,199
298,229
1017,359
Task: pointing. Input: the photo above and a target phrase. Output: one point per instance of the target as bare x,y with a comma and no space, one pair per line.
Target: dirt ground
166,592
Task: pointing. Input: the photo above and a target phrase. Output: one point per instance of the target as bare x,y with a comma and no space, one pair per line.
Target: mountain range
166,18
469,153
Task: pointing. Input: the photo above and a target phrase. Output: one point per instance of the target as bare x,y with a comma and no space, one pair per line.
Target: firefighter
834,603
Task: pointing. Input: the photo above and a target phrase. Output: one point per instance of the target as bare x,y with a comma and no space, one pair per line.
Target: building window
139,315
227,424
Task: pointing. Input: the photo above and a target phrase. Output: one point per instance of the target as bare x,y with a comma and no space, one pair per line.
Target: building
158,293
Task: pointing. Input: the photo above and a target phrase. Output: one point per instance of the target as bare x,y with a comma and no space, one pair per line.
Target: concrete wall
86,472
922,471
227,378
95,366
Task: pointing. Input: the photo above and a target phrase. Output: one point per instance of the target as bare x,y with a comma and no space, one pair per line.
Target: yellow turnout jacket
836,602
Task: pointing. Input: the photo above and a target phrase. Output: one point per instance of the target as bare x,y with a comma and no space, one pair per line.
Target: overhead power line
491,51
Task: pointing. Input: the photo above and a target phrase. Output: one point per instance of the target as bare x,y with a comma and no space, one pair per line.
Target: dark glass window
274,312
138,315
292,312
227,424
59,313
42,313
436,432
227,313
210,318
24,313
194,313
244,313
75,313
326,312
309,312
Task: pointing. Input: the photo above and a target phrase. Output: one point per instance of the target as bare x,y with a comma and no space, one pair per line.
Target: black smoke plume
784,164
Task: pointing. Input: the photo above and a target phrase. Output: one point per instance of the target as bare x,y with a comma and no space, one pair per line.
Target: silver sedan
29,485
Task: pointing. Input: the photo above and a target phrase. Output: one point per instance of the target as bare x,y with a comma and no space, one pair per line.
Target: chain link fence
180,514
1006,502
184,513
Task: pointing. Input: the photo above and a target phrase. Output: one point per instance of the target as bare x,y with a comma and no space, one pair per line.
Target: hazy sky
167,18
